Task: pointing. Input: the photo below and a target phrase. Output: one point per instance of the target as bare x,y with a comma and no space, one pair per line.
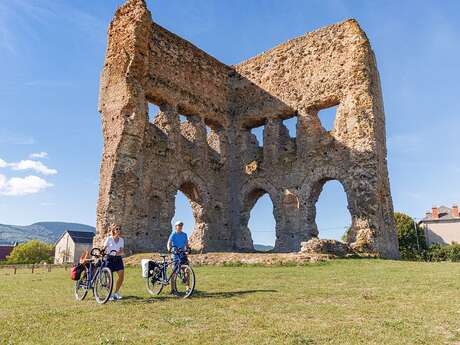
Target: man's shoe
117,296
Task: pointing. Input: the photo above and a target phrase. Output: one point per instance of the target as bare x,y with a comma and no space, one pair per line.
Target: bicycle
97,276
182,277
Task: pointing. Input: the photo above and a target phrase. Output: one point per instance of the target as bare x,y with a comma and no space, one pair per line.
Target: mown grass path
337,302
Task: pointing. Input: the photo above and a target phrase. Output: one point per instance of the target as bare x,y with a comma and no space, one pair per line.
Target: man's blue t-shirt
178,240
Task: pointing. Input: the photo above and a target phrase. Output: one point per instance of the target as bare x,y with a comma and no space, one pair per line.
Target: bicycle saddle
163,255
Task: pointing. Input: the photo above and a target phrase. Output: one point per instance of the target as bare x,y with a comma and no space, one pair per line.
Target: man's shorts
179,259
116,263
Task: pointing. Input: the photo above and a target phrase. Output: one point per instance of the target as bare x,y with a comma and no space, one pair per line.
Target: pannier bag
76,270
147,267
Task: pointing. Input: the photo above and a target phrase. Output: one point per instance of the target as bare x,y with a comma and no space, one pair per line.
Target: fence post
15,269
49,268
33,267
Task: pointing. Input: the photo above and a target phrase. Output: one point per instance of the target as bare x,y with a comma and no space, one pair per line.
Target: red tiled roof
445,213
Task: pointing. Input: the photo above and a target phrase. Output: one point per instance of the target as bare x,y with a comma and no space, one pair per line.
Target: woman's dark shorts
116,263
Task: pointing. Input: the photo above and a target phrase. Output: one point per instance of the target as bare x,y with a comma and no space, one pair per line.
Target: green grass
337,302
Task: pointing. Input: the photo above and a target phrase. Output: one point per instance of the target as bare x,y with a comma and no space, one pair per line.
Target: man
114,242
178,240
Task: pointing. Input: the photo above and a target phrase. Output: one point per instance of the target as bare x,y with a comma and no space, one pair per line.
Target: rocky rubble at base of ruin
331,247
235,259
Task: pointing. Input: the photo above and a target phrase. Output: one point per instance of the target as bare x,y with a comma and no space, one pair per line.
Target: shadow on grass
228,294
196,295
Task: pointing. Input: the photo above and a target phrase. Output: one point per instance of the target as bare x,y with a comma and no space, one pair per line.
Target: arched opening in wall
332,215
153,111
262,224
188,208
327,117
183,213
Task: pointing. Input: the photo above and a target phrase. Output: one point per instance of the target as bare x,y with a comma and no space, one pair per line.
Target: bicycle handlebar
98,252
176,250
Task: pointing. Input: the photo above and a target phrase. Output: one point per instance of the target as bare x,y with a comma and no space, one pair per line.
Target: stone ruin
213,158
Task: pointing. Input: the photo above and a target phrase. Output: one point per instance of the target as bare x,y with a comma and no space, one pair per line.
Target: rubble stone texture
333,247
213,158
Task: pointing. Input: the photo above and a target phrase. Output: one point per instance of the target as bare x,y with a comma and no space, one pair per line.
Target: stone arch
194,188
251,192
310,192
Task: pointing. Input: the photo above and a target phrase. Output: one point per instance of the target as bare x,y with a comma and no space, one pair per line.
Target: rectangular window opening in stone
214,138
291,125
153,112
259,134
327,117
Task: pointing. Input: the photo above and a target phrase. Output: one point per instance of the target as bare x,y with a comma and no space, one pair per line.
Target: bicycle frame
94,270
164,267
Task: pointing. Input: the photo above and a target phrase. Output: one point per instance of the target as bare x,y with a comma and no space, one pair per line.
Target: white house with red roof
442,225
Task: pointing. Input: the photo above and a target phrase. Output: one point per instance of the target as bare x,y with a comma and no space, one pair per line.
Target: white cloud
33,165
39,155
29,165
17,186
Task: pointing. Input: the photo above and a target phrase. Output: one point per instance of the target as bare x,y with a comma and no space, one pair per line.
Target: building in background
442,225
71,244
6,248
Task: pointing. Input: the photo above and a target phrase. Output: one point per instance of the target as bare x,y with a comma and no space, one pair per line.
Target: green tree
438,252
346,236
409,247
31,252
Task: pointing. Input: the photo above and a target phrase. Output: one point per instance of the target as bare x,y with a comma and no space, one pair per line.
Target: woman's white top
110,244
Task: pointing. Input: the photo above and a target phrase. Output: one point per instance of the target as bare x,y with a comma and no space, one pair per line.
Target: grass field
337,302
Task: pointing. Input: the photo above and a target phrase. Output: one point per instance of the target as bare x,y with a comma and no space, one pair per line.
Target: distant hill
43,231
50,231
262,247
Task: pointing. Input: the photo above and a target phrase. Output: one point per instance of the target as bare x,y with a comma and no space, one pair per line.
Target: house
71,244
442,225
6,248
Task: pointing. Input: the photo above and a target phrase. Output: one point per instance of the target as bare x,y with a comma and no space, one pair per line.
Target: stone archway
251,193
311,190
311,206
197,195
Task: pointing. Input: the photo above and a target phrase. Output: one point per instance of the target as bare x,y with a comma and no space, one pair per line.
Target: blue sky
52,53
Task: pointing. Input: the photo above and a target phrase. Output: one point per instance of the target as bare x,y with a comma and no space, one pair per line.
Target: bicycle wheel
183,281
81,286
154,286
103,285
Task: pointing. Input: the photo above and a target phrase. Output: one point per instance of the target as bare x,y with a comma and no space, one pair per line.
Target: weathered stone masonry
223,170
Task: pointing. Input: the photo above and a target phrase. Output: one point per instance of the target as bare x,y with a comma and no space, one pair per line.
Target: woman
114,242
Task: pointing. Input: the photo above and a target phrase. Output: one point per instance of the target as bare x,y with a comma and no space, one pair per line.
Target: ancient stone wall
213,158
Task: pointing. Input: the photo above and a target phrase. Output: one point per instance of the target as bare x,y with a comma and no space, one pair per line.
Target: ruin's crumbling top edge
351,23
